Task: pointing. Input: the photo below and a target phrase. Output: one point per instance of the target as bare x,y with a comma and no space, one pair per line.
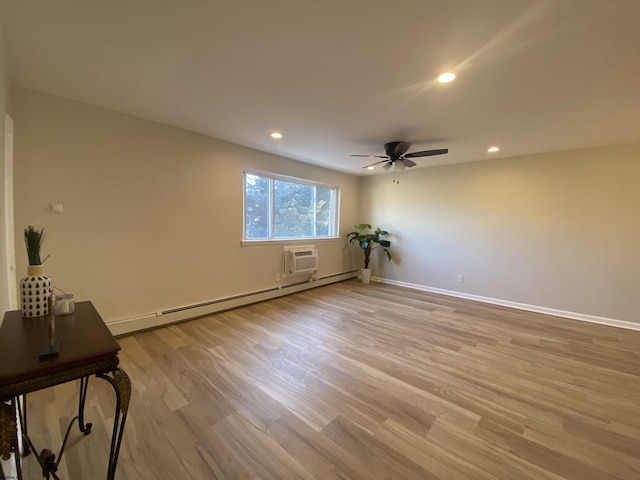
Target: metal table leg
84,385
121,384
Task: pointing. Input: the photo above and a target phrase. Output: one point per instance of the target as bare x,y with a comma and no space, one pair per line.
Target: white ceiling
338,77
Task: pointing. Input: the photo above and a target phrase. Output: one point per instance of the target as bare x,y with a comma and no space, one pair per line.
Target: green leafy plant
369,241
33,239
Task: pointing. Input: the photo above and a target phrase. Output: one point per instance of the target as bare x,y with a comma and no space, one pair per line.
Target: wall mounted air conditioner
300,259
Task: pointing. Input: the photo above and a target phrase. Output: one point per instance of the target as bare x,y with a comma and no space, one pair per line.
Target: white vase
366,275
35,290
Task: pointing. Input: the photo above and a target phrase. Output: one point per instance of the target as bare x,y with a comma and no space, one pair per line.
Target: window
278,207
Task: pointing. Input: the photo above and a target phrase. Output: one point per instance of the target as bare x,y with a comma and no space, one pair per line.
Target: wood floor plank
354,382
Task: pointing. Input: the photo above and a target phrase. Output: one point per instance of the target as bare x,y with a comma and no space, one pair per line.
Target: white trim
158,319
287,178
290,241
9,269
611,322
273,177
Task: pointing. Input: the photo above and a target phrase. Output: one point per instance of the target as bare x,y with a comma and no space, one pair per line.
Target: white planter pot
35,289
366,275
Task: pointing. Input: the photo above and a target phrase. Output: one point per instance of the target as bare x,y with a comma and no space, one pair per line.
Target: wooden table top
85,340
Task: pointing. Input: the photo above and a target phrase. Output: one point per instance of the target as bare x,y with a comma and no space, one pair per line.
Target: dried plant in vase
35,288
33,239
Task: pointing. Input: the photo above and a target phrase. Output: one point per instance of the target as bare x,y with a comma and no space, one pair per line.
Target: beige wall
156,213
152,214
559,230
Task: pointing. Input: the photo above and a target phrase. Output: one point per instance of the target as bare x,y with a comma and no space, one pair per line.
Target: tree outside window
278,207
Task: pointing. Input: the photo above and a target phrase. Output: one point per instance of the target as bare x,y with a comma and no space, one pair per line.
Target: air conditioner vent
301,259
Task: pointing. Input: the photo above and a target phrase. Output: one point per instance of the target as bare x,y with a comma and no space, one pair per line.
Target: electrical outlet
460,278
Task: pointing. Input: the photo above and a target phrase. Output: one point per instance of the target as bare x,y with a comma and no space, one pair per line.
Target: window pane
293,210
256,206
277,207
324,217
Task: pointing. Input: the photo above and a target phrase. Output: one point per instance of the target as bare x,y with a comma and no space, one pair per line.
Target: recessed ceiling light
447,76
493,149
276,135
371,167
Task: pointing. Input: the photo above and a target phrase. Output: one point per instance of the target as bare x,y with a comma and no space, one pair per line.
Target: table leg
46,458
121,384
86,429
84,385
22,418
122,387
9,435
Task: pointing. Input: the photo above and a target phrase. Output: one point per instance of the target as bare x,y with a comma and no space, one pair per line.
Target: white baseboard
159,319
612,322
179,314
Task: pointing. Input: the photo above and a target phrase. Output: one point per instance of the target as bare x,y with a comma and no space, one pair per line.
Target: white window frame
271,217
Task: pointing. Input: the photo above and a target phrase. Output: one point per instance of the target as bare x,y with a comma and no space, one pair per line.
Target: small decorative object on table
35,288
53,345
64,303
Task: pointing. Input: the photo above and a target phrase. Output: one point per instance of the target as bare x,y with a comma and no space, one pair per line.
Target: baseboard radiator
188,312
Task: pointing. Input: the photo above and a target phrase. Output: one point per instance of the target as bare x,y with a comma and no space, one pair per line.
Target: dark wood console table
87,348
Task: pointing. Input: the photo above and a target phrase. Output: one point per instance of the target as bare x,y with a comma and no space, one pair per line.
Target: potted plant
369,241
35,288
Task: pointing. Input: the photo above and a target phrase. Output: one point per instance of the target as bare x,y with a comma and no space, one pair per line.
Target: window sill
290,241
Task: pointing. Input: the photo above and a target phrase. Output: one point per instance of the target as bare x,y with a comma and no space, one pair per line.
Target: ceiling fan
396,155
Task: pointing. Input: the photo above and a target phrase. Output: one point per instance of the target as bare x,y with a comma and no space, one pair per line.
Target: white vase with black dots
35,290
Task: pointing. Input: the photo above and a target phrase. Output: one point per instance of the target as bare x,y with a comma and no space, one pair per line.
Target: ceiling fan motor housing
396,149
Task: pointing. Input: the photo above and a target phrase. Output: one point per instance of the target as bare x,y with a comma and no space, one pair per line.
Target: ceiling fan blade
427,153
396,149
387,165
370,156
376,163
408,163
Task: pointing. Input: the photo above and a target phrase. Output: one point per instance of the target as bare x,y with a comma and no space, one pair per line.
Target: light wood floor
364,382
